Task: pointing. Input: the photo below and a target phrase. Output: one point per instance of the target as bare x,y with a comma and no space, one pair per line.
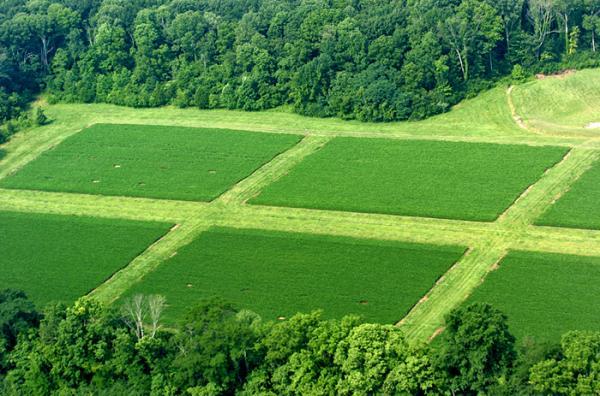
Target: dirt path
513,111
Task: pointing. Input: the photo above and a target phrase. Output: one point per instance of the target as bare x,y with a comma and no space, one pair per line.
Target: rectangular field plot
278,274
151,161
467,181
61,258
580,206
545,295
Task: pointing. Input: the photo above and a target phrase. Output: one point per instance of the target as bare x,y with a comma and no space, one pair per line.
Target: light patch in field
593,125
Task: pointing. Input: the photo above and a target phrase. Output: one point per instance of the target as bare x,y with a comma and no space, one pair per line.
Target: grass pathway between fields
487,242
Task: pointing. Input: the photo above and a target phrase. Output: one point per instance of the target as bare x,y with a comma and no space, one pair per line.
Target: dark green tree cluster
371,60
218,350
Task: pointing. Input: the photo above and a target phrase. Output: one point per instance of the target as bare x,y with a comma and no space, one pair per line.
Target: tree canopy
217,349
371,60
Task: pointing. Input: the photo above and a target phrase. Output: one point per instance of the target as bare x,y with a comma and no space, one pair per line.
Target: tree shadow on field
2,154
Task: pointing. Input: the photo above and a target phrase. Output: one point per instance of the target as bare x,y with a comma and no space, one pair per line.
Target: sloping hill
562,104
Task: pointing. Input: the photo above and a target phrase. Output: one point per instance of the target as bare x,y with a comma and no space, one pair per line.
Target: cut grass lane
61,258
466,181
277,274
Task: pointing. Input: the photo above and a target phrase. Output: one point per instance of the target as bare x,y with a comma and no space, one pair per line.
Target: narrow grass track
164,248
487,243
278,167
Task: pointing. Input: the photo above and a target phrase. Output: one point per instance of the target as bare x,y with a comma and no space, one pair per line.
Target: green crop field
278,274
150,161
579,207
545,295
414,178
61,258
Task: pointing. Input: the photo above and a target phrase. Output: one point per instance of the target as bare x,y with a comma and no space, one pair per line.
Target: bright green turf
565,104
60,258
415,178
580,206
150,161
279,274
545,295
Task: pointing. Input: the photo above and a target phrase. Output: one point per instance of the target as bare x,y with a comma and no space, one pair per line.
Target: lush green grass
484,115
279,274
545,295
60,258
578,208
150,161
415,178
561,104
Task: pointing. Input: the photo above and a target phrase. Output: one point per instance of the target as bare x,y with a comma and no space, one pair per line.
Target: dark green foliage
544,295
218,350
151,161
278,274
415,178
478,349
216,346
307,355
17,316
88,348
39,117
575,371
368,60
60,258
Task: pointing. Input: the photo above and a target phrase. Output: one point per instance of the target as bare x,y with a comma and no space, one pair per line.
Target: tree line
89,348
371,60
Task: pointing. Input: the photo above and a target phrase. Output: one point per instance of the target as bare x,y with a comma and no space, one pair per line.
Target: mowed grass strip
150,161
414,178
580,206
545,295
278,274
61,258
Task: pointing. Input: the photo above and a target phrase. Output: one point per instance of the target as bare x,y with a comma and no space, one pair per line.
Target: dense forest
371,60
218,350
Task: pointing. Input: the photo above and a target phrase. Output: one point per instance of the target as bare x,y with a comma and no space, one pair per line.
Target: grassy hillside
561,104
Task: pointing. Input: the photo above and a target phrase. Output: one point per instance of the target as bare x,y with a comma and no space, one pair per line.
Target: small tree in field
139,307
39,117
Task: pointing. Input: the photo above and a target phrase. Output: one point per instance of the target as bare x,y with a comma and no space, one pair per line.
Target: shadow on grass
2,154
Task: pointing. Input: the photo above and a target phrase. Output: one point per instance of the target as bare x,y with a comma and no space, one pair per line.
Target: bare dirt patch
436,333
561,75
